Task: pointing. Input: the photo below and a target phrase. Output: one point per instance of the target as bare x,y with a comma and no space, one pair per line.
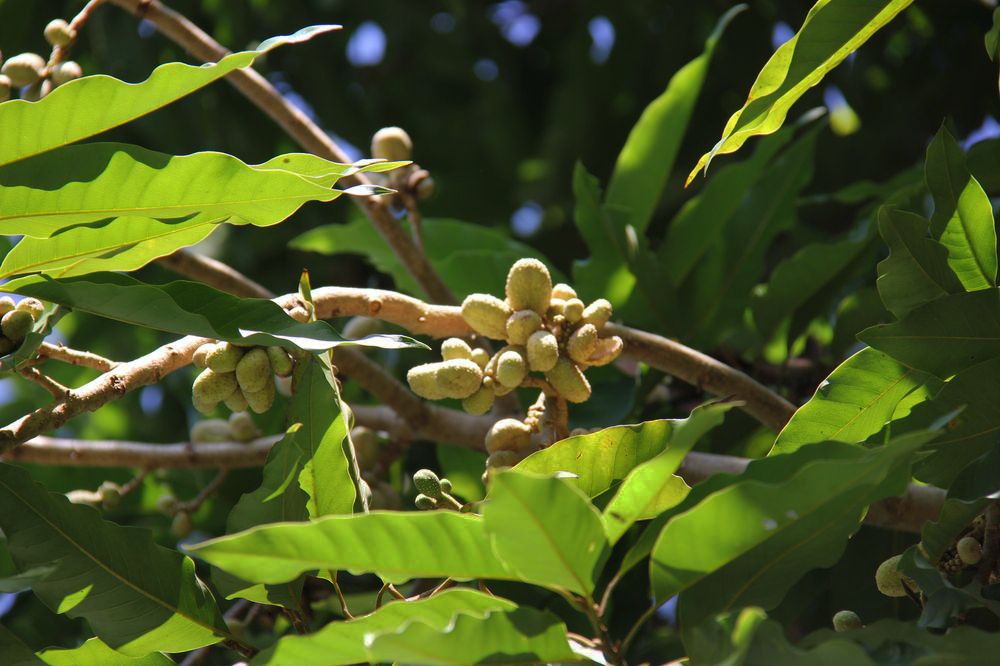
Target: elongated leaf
94,652
14,650
945,336
831,31
546,530
344,642
854,402
523,635
648,156
191,308
916,270
138,597
963,214
775,532
93,104
22,581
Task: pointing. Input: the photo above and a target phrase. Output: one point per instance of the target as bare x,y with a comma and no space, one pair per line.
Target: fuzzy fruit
486,315
502,459
261,401
201,354
889,580
58,32
224,357
236,401
846,620
459,378
454,348
24,69
598,313
210,388
480,357
423,381
280,361
508,435
65,72
573,310
211,430
970,551
606,351
529,286
428,483
521,325
543,351
582,343
16,324
6,305
563,291
567,378
479,402
32,306
424,503
511,368
242,427
253,370
393,144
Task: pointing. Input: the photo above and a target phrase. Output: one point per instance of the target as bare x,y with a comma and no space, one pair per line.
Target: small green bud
502,459
393,144
211,430
65,72
970,551
846,620
511,368
573,310
567,378
32,306
543,351
166,504
253,371
508,435
242,426
563,291
424,503
479,402
529,286
281,362
598,313
486,315
210,388
456,348
424,382
889,580
58,32
261,401
446,486
521,325
181,525
111,494
201,354
224,357
236,401
428,483
606,350
480,357
582,343
16,324
459,378
6,305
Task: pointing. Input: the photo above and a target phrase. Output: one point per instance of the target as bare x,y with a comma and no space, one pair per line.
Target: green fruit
428,483
598,313
606,351
521,325
480,357
486,315
16,324
508,435
890,581
24,69
529,286
511,368
166,504
557,307
970,551
6,305
573,310
236,401
543,351
201,354
224,357
65,72
846,620
459,378
210,388
563,291
211,430
280,361
181,525
111,494
393,144
582,343
455,348
446,486
261,401
58,33
242,426
254,371
424,503
568,380
32,306
424,382
479,402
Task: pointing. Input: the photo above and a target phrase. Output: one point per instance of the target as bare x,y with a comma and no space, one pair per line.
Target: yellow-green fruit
6,305
6,345
486,315
606,351
480,357
254,371
563,291
428,483
210,388
453,348
202,353
23,69
511,368
459,378
365,447
529,286
261,401
889,580
543,351
58,33
166,504
567,378
5,86
242,426
281,362
502,459
181,525
65,72
970,551
846,620
111,494
582,343
508,435
556,308
224,357
32,306
211,430
521,325
598,313
479,402
573,310
424,503
236,401
423,381
360,327
393,144
16,324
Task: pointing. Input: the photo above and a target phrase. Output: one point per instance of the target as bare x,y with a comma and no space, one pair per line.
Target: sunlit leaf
94,652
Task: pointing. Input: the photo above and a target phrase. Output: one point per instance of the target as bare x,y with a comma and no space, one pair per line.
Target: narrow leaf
95,652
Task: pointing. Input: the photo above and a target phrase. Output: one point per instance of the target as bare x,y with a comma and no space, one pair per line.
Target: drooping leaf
916,270
980,478
137,597
774,531
545,530
523,635
963,214
93,104
191,308
344,642
854,402
94,652
830,32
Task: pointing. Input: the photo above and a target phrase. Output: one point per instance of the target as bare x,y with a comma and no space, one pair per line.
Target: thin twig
59,53
340,596
60,352
135,483
58,391
192,505
381,593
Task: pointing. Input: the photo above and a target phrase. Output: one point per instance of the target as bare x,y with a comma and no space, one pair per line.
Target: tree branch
212,272
60,352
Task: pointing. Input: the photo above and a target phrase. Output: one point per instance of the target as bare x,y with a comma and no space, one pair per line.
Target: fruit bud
606,351
111,494
242,426
563,291
428,483
529,286
261,401
58,32
236,401
889,580
32,306
582,343
280,361
424,503
480,357
65,72
522,324
573,310
459,378
543,351
202,353
508,435
393,144
210,388
511,368
598,313
181,525
502,459
16,324
425,188
253,371
365,447
846,620
970,551
557,307
360,327
455,348
166,504
423,381
5,86
211,430
446,486
224,357
6,305
567,378
24,69
486,315
479,402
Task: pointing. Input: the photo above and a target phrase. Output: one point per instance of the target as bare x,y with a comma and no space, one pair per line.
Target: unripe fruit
16,324
606,351
846,620
423,381
970,551
280,361
111,494
181,525
501,459
563,291
211,430
58,33
556,308
428,483
254,371
393,144
521,325
210,388
424,503
446,486
889,580
365,447
24,69
582,343
598,313
242,427
567,378
425,188
32,306
486,315
511,368
543,351
6,345
5,86
508,435
6,305
529,286
166,504
261,401
480,357
65,72
202,353
459,378
453,348
360,327
479,402
224,357
573,310
236,401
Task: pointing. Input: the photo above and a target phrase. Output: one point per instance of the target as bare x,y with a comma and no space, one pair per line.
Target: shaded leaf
14,650
945,601
23,580
94,652
992,37
936,537
980,478
137,597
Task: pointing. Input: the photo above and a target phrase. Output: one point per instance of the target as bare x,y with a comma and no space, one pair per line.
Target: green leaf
523,635
191,308
992,38
944,336
775,529
647,158
137,597
832,30
858,398
936,537
963,214
95,652
22,581
916,270
344,642
946,600
397,546
14,650
546,531
93,104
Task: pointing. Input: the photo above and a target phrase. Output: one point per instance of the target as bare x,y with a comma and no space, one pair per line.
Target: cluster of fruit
31,73
434,493
17,321
241,377
393,144
239,427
